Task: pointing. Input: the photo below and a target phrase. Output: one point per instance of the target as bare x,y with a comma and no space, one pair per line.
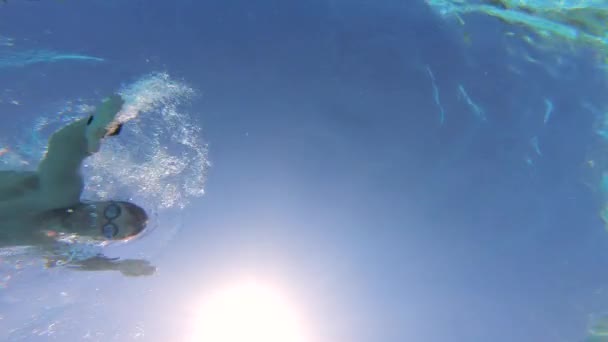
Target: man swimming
38,207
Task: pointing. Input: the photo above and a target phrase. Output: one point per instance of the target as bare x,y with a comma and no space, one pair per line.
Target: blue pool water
398,175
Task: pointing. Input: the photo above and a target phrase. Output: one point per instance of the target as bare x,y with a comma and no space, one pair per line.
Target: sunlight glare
249,312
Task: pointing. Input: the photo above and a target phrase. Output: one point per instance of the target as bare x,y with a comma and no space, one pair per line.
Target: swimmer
37,207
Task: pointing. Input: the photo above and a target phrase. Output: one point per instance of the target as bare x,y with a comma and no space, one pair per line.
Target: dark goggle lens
112,211
109,230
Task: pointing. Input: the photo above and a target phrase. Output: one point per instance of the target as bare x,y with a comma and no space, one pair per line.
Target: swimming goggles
112,212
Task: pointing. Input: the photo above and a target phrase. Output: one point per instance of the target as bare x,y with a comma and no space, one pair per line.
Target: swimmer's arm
59,171
66,150
59,183
128,267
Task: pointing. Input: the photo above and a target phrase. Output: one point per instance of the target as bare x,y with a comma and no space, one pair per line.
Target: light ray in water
598,325
436,95
535,146
477,110
25,58
548,110
6,41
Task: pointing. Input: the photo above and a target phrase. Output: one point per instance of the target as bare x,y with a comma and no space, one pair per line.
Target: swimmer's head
107,220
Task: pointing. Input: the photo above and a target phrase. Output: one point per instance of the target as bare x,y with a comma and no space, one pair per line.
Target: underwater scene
304,171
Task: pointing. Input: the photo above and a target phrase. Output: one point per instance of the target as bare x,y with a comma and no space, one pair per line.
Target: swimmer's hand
128,267
136,267
102,123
